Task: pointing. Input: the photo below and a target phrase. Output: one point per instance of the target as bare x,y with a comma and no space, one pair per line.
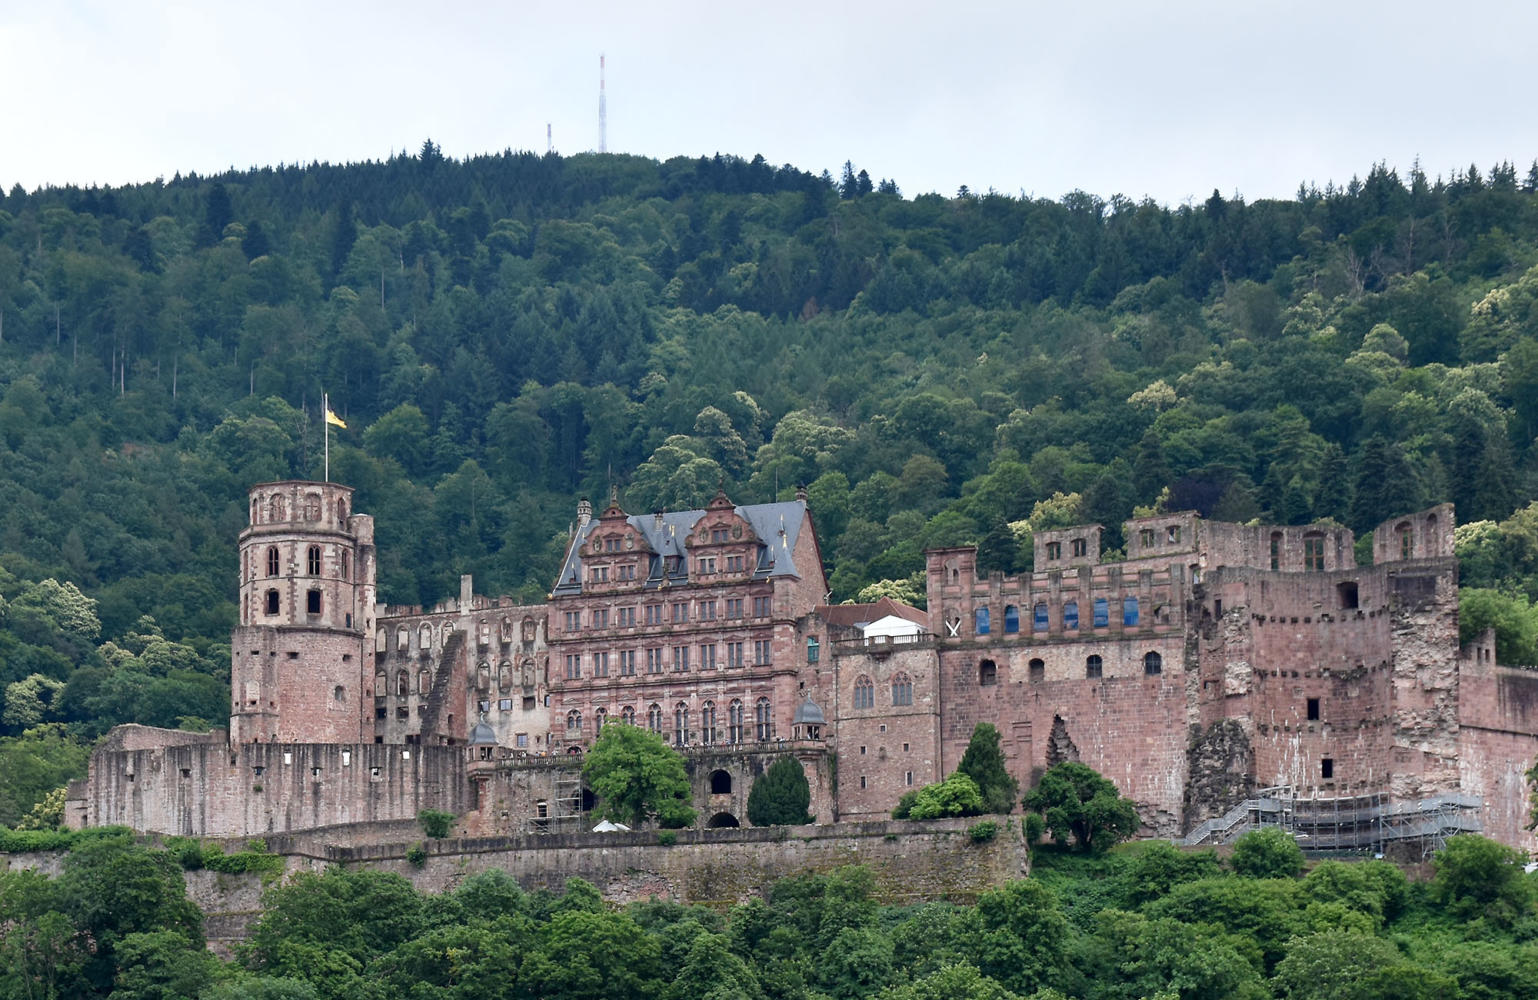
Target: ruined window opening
1037,671
1146,538
982,621
1327,768
864,693
312,560
1102,612
1011,619
1406,541
1129,612
381,712
1348,594
339,693
272,560
1217,607
1153,664
987,673
272,602
1313,553
1054,550
1039,617
720,782
1313,709
402,639
312,507
1276,550
1172,533
528,703
1080,547
1094,666
1071,615
902,690
402,684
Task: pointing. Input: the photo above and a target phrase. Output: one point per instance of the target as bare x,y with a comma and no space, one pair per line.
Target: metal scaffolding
1355,823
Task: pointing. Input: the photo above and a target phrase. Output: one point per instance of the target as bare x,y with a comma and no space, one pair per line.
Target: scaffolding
563,813
1372,822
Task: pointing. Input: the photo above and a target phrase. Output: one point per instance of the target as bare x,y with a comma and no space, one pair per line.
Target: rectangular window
1348,595
707,611
762,606
908,777
734,564
312,602
627,662
1054,550
1146,537
654,661
1172,533
600,617
734,607
761,648
708,656
707,566
734,654
626,617
601,664
1102,612
1313,709
599,574
680,659
1313,554
862,781
681,612
504,704
1327,768
528,703
813,651
573,666
573,621
654,614
718,535
1080,547
627,571
521,741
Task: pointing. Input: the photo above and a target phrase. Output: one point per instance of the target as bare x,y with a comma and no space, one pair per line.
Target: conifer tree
983,762
781,796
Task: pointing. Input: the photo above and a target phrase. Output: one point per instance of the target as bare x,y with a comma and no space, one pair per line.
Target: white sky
1166,99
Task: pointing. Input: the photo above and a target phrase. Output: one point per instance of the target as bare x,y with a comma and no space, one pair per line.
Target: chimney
657,521
584,512
801,492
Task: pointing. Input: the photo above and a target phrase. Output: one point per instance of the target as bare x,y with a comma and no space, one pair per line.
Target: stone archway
720,782
723,821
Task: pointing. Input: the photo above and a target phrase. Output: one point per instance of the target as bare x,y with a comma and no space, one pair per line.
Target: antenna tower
549,142
603,111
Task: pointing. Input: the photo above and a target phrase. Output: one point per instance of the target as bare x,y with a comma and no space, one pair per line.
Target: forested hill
505,333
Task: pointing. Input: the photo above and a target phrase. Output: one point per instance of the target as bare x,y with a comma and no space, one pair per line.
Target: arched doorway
721,783
723,821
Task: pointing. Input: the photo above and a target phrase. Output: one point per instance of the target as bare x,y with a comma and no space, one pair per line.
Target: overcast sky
1168,100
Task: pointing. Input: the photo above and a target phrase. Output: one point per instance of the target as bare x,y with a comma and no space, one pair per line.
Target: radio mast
603,111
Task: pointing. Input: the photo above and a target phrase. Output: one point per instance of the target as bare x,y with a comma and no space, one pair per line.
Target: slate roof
777,525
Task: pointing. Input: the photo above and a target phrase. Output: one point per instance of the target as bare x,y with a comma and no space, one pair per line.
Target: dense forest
1145,921
503,334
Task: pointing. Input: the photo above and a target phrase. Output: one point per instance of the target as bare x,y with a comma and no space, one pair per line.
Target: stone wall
1498,742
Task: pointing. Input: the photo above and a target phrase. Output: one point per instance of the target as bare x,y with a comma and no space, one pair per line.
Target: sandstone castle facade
1215,669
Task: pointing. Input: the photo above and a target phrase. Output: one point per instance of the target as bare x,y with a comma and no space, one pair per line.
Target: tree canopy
637,776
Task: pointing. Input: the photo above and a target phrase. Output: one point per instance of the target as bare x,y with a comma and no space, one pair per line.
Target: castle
1215,667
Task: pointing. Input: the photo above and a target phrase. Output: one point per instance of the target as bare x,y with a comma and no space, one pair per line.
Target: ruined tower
299,663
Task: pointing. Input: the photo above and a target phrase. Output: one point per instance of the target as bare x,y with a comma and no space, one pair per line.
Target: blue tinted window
1071,615
1102,613
1039,618
982,621
1129,611
1011,619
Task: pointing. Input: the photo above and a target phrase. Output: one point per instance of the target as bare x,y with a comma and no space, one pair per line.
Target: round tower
299,662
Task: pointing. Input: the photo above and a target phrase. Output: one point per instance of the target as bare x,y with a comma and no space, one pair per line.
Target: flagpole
325,423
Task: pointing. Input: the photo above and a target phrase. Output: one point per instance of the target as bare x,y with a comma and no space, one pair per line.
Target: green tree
983,762
1079,804
1023,935
636,776
957,795
1477,877
1267,853
781,796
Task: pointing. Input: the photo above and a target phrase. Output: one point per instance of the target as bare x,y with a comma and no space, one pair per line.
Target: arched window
720,782
272,602
272,560
1153,663
1102,612
341,512
504,676
708,723
402,684
1011,619
1039,617
982,621
902,690
1431,534
346,565
1036,670
312,506
483,677
312,561
764,721
734,732
402,639
507,630
381,641
987,673
600,716
424,681
381,684
1071,615
654,718
485,632
680,724
277,508
1094,666
1276,550
529,630
1406,541
864,693
574,721
627,715
425,637
1129,612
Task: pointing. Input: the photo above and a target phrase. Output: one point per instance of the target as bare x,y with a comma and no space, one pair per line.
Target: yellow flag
332,418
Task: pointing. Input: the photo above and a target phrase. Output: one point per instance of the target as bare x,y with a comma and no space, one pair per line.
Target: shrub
667,838
957,795
1267,853
417,855
983,832
436,823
